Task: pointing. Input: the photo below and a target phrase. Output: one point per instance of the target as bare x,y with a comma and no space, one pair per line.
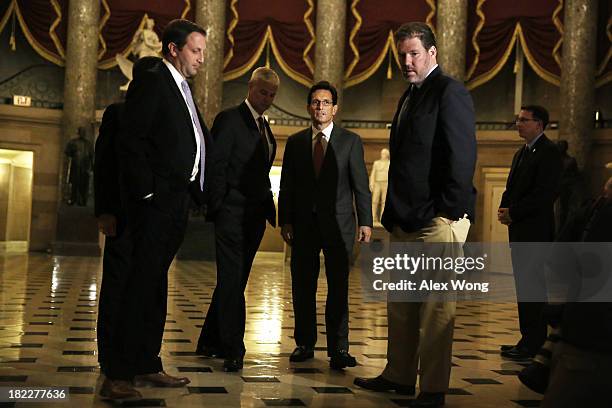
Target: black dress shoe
210,352
380,384
232,365
301,353
517,353
342,359
506,347
427,400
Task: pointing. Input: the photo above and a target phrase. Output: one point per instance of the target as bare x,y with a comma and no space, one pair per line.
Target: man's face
322,109
261,95
528,127
415,60
188,59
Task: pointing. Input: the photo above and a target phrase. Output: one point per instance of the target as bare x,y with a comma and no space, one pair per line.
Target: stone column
210,14
578,77
451,31
76,232
330,42
81,67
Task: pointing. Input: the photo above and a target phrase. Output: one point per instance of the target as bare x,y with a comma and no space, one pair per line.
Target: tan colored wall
19,211
36,130
495,149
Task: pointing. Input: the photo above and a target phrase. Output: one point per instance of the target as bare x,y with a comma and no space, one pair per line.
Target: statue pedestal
76,233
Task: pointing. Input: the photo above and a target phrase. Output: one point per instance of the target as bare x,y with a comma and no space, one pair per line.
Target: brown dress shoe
160,379
118,390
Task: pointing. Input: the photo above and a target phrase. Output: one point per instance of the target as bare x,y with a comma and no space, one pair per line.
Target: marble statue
378,184
145,43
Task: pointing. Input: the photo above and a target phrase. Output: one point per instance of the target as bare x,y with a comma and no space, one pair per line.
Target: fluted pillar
81,67
210,14
578,77
451,31
330,42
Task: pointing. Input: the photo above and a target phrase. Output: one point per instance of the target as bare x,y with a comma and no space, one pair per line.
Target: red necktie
318,154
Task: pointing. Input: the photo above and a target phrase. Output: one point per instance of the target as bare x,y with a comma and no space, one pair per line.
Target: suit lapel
248,118
179,96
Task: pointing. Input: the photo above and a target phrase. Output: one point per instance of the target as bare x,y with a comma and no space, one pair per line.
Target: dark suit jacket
531,191
106,166
157,145
433,156
343,176
241,169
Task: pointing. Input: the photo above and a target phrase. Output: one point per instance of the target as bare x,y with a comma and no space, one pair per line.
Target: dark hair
177,32
144,64
418,30
539,113
324,85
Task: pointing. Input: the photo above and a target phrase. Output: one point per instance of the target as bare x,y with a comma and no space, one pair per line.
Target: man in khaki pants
430,199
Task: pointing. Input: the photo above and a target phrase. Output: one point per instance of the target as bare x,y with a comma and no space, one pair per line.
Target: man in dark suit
240,203
111,222
323,171
527,208
162,152
430,199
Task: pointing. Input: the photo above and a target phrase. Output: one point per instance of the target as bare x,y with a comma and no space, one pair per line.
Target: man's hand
503,215
364,234
107,224
287,233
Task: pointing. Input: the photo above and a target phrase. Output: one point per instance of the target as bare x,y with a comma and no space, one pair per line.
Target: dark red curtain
284,29
372,38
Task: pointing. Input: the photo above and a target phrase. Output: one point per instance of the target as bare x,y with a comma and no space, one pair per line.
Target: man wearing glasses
323,170
527,209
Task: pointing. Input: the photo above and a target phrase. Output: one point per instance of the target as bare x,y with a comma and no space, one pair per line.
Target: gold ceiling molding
557,22
481,23
52,34
186,9
389,44
105,17
296,76
32,41
240,71
354,31
310,29
230,33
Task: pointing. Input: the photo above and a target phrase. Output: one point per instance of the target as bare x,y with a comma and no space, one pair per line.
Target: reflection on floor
47,338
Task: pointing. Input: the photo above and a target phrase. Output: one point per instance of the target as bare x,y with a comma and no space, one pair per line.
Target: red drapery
284,29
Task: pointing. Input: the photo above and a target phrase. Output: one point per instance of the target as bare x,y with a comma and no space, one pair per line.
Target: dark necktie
318,154
403,113
262,134
196,122
524,156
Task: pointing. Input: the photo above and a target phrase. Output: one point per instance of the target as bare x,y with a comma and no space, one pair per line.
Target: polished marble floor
48,308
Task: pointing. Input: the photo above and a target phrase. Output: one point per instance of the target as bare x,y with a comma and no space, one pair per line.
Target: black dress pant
531,291
238,233
115,272
337,247
157,230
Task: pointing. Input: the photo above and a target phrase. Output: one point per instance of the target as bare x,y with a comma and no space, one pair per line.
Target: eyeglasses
523,120
325,102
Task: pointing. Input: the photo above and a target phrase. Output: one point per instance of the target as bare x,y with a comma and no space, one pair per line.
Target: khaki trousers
421,333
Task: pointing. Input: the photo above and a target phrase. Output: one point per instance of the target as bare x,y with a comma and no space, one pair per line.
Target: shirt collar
533,142
178,77
255,114
326,132
430,71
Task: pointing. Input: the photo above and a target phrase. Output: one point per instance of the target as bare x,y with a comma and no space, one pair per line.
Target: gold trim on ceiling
107,14
54,37
487,76
310,29
296,76
541,71
32,41
604,63
557,22
111,62
240,71
230,33
186,9
479,26
7,15
601,81
354,31
374,67
431,15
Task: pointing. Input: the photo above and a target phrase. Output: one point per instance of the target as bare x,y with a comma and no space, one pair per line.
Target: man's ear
433,51
335,110
173,49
